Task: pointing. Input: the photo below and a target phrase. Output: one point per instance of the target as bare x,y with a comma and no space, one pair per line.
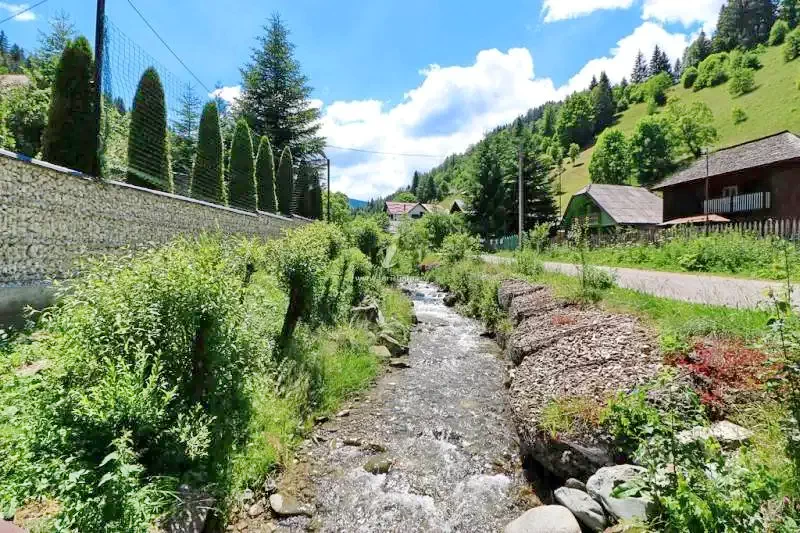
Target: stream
444,426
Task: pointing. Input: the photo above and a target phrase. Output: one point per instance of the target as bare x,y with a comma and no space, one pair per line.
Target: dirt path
441,427
704,289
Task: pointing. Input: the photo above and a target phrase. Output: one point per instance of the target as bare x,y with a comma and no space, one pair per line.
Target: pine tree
119,103
744,23
276,96
697,51
242,188
53,43
184,142
488,211
69,138
208,182
265,177
3,44
789,12
603,102
659,63
415,182
285,182
639,73
677,70
315,196
593,83
539,202
148,144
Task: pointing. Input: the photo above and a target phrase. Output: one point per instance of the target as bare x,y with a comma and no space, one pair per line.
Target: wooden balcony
740,203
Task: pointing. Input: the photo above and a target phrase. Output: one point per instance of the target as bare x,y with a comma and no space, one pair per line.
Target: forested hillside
741,83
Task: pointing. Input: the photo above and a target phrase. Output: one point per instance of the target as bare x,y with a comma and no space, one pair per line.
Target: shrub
778,33
366,234
739,115
265,177
458,247
143,389
622,105
537,238
441,225
791,49
242,189
689,77
712,71
750,60
342,286
148,143
652,106
301,258
742,81
70,138
656,88
611,159
285,182
208,177
528,263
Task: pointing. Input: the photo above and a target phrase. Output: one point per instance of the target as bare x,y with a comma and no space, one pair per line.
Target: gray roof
626,204
783,146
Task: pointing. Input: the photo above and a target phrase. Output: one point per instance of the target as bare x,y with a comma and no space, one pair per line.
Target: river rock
378,465
604,481
545,519
729,435
576,484
395,347
257,509
586,510
367,313
400,362
382,352
450,300
287,505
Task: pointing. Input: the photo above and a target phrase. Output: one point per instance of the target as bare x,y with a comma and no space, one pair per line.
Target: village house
756,180
608,207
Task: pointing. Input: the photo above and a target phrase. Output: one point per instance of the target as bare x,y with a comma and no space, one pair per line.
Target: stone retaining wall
50,216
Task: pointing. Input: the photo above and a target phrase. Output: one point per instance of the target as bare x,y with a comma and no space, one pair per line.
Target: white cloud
16,8
555,10
687,12
229,94
452,108
620,63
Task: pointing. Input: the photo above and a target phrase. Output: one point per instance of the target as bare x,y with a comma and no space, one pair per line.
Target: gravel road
704,289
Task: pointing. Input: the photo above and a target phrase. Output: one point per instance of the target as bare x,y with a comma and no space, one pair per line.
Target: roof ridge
751,141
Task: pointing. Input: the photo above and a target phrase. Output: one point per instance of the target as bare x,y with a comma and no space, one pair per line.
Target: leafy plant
458,247
742,81
739,115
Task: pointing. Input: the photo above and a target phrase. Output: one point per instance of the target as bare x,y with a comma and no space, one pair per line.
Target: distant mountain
357,204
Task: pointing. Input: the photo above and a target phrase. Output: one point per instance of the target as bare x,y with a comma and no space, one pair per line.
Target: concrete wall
51,216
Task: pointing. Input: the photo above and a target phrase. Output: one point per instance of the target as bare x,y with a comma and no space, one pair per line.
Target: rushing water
443,423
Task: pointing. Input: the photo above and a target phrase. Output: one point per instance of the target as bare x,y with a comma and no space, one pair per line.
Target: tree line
222,154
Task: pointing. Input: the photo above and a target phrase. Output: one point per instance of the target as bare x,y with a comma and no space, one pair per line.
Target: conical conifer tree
285,182
300,196
242,169
148,143
208,182
70,138
265,177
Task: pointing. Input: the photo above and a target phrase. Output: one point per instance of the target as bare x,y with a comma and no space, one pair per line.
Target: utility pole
99,46
329,188
521,200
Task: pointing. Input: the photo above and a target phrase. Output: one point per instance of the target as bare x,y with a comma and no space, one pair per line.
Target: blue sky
413,77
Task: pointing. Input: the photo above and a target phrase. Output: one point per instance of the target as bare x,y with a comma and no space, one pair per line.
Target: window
732,190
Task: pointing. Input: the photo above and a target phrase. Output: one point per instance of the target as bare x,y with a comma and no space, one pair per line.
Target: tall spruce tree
3,44
593,83
53,43
790,12
659,62
488,211
265,177
677,70
639,73
69,138
148,143
242,188
415,182
184,140
208,181
744,23
697,51
285,182
276,95
603,102
539,202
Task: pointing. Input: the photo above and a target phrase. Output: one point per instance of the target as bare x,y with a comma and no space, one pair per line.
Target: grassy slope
772,107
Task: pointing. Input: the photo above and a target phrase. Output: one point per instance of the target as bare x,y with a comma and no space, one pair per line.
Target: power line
384,153
18,13
203,85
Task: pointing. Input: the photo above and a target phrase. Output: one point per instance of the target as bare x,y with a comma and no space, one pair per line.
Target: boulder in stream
545,519
395,347
602,484
586,510
287,505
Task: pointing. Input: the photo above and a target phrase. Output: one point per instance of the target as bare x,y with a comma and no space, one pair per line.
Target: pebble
257,509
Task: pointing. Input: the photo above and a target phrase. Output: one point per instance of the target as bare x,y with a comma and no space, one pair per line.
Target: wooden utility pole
521,200
99,57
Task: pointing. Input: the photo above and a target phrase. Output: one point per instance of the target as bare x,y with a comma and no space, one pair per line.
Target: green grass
774,106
